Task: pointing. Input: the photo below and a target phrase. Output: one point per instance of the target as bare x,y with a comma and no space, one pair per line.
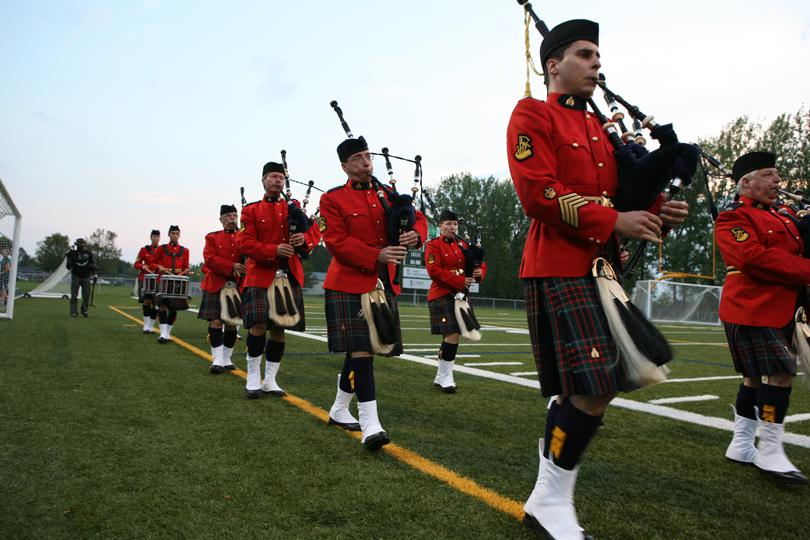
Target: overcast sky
133,115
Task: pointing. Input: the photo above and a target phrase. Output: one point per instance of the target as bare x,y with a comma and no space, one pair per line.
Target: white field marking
695,343
683,399
623,403
701,379
523,373
465,344
492,363
461,356
797,417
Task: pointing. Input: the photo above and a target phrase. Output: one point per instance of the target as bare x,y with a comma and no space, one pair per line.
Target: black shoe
348,426
792,478
275,393
74,315
376,441
162,340
215,370
84,314
147,332
253,394
229,367
445,389
529,521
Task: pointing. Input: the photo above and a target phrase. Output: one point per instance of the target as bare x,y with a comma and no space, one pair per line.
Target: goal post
10,227
682,303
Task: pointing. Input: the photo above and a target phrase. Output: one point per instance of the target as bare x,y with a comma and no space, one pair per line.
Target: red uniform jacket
142,261
354,231
762,251
220,252
171,256
445,266
560,160
264,227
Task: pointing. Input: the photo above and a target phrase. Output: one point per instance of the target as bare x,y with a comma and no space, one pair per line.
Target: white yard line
693,343
701,379
492,363
623,403
683,399
797,417
523,373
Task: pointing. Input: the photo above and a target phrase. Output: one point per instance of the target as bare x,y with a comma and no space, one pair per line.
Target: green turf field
107,434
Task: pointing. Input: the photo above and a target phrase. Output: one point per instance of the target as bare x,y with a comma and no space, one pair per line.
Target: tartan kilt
210,307
347,329
174,304
141,295
566,324
256,307
443,315
759,350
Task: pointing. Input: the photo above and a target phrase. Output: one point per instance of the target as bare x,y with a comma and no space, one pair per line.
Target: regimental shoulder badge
739,234
549,193
523,148
569,208
321,223
431,258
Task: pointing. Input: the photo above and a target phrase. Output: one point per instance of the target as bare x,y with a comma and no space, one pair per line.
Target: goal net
57,285
10,225
672,302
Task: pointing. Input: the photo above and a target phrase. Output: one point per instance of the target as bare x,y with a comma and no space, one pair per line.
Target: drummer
170,259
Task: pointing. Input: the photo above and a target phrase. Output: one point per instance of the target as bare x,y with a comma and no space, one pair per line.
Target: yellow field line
456,481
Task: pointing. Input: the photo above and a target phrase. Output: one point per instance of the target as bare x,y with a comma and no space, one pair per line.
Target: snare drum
173,291
148,286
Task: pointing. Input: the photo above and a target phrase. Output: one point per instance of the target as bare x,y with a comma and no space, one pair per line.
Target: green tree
51,250
106,253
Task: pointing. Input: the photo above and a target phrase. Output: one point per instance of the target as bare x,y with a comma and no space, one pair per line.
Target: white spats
227,352
165,332
339,413
551,503
741,448
770,456
169,331
216,360
253,381
444,376
148,324
269,386
369,421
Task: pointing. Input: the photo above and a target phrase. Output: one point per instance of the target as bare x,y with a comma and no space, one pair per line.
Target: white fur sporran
638,368
465,317
283,311
800,346
380,320
231,304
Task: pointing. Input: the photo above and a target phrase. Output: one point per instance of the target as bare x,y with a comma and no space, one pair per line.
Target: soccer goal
672,302
57,285
10,225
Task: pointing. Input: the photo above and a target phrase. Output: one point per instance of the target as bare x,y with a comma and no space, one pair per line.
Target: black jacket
81,263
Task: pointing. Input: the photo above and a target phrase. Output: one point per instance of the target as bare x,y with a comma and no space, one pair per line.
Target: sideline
460,483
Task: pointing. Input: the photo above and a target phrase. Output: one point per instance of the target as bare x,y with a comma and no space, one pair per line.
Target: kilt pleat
573,348
256,308
346,327
758,351
210,307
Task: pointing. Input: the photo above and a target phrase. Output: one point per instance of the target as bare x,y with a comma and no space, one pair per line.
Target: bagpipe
796,207
465,316
400,217
643,175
